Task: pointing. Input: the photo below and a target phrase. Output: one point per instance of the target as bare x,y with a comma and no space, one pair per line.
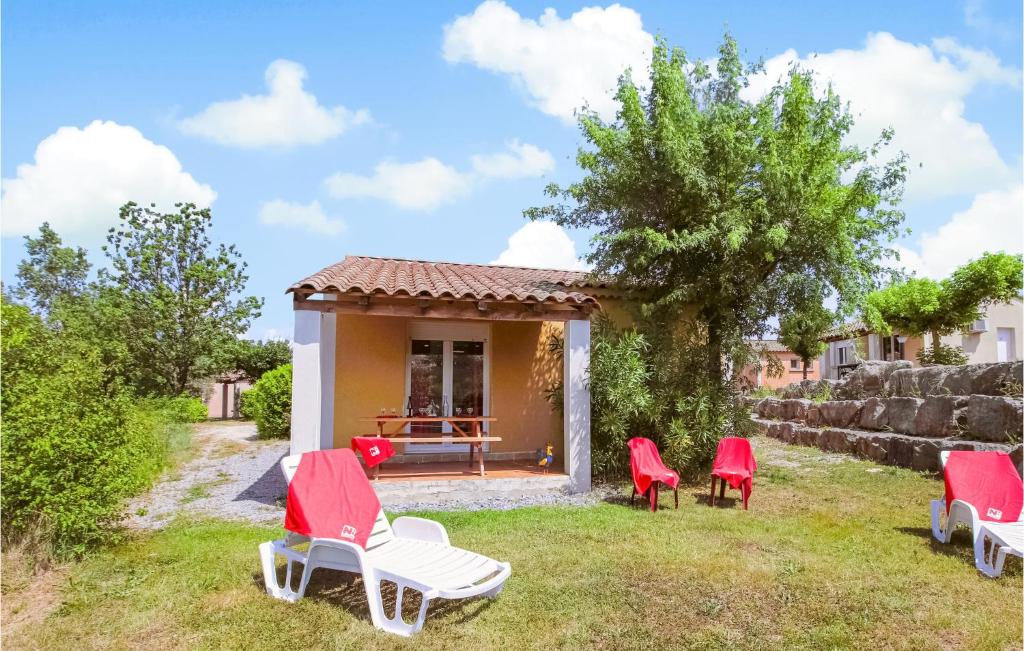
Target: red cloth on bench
647,467
375,449
330,497
735,463
988,481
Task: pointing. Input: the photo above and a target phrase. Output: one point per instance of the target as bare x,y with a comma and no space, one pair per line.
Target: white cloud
423,185
276,334
992,223
309,217
81,177
287,115
524,160
543,245
428,183
561,64
920,91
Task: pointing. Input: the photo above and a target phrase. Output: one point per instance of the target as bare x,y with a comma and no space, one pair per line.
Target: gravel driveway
233,475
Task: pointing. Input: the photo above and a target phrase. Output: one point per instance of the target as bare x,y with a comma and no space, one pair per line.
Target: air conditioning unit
981,325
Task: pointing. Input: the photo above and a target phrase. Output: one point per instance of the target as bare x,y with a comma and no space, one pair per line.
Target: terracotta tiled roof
846,331
768,345
394,277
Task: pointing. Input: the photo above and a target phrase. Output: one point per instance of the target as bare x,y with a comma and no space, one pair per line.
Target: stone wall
891,413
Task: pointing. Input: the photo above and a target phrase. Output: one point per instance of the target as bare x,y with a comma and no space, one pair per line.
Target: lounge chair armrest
420,529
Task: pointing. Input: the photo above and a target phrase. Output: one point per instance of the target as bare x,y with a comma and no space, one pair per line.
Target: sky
316,130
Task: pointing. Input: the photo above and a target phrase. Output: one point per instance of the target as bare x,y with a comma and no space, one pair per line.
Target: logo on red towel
994,513
374,451
349,532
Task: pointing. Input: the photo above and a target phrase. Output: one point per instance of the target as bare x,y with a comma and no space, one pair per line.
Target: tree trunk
805,368
935,341
714,363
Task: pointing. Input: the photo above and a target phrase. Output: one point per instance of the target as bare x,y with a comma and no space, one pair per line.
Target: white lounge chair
1006,537
411,552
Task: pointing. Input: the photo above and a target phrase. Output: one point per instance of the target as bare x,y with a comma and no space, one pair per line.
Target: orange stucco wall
370,376
789,374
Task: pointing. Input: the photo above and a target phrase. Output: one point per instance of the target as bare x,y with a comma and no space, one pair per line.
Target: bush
178,409
269,403
74,443
942,355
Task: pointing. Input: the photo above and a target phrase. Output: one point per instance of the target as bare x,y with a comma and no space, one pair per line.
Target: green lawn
833,554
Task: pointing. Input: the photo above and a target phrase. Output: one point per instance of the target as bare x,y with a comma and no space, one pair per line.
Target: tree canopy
802,332
51,271
254,358
742,209
916,306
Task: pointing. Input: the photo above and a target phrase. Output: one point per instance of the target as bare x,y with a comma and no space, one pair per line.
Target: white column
313,381
576,425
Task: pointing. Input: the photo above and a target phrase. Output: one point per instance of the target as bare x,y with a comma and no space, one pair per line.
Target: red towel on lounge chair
645,462
988,481
375,449
735,463
330,497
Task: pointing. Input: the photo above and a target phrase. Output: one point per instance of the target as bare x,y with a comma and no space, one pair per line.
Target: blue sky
423,130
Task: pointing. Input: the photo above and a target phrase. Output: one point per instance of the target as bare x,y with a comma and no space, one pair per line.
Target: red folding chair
735,464
648,471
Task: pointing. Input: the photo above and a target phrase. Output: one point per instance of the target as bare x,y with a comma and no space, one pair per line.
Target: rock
925,456
813,415
869,379
901,412
994,418
770,408
795,409
872,414
969,379
837,440
937,416
839,413
1017,456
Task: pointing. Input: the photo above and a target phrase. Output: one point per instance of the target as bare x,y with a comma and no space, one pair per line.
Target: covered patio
454,363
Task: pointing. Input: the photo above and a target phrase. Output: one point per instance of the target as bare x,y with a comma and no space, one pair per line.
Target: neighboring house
994,338
375,334
792,366
222,395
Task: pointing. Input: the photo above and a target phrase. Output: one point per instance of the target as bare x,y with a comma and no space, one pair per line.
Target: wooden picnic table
475,438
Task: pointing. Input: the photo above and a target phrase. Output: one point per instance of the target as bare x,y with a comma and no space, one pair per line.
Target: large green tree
50,272
916,306
703,199
176,295
254,358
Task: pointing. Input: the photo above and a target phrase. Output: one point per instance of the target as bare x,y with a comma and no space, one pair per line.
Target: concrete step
882,447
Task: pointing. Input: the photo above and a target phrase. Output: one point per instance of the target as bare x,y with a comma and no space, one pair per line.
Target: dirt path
233,475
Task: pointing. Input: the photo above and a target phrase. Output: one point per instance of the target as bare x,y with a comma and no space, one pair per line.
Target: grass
835,553
202,489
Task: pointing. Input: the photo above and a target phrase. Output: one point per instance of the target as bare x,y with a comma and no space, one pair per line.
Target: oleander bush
269,403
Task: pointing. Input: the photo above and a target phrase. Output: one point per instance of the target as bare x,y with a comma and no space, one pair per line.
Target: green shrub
942,355
244,406
763,391
178,409
74,442
269,403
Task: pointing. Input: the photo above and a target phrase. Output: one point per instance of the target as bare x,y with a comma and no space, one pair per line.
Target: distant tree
917,306
50,271
702,199
802,332
174,294
254,358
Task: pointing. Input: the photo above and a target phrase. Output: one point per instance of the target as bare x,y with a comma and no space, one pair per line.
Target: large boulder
901,413
994,418
969,379
769,408
872,414
795,409
869,379
839,413
937,415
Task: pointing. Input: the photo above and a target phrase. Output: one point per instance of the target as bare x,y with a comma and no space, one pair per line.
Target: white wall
980,347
